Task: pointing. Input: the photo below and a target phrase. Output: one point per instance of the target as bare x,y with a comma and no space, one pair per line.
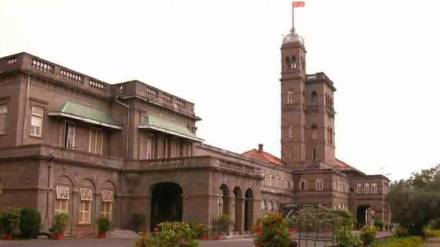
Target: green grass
401,242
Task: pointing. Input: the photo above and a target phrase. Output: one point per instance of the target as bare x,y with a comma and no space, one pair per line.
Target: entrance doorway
166,203
362,215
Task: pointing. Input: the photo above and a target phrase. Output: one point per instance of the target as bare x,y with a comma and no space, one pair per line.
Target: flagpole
293,20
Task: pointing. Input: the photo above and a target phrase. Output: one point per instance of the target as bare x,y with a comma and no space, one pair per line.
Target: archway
224,191
166,203
248,210
362,215
238,195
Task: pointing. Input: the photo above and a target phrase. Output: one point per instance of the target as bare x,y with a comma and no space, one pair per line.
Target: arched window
290,97
303,185
366,188
303,63
374,188
314,132
287,63
319,184
314,98
293,64
359,188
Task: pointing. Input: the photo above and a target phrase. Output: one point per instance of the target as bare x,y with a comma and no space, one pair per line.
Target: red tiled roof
262,156
345,167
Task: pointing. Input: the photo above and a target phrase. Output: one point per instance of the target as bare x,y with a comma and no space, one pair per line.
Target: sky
224,56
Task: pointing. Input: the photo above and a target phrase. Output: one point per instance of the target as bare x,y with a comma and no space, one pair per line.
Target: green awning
86,114
166,126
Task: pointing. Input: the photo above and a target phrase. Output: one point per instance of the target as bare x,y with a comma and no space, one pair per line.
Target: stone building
72,143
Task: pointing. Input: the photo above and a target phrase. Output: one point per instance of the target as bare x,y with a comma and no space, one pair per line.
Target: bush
171,234
401,242
379,224
368,235
9,220
199,229
60,223
138,221
346,238
29,224
401,232
428,232
104,224
272,231
221,224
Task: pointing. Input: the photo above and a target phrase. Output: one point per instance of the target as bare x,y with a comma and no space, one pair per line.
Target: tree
415,201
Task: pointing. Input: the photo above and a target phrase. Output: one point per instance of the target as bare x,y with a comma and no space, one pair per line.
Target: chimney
260,148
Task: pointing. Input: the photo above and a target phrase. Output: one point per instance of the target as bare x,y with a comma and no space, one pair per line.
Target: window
149,146
303,185
314,156
290,131
366,188
314,99
3,114
62,200
37,121
314,132
290,97
95,145
291,154
374,188
106,210
359,188
84,212
107,204
319,185
70,136
85,205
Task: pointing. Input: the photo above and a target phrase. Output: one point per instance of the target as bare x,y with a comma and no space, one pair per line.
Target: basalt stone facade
74,144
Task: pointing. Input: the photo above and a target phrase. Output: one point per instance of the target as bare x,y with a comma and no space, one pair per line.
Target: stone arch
363,215
166,202
248,210
224,200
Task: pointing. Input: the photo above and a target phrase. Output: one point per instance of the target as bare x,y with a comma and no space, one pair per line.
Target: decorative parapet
36,66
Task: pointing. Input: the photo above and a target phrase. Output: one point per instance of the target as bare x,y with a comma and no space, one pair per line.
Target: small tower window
303,63
314,155
290,131
293,64
290,97
291,154
314,132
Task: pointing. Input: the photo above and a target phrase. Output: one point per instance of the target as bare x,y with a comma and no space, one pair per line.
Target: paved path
112,243
433,242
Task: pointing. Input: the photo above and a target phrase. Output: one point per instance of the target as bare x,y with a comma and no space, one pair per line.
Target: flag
298,4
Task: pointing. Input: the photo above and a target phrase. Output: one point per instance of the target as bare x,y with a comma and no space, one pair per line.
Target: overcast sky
224,56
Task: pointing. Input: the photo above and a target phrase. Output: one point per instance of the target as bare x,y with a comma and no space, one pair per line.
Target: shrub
272,231
104,224
29,224
346,238
60,222
138,221
401,232
9,220
368,235
199,229
171,234
379,224
428,232
401,242
221,224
